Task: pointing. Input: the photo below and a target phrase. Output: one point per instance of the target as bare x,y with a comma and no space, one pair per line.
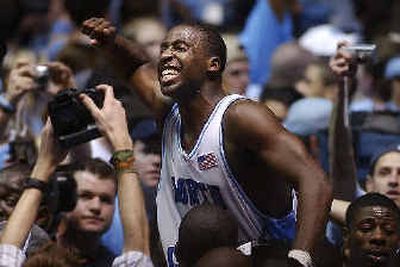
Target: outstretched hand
110,119
100,31
343,63
20,81
50,153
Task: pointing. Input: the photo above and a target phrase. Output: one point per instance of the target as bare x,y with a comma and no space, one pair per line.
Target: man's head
384,173
203,228
190,55
224,257
96,187
147,150
317,81
236,76
11,180
147,31
373,231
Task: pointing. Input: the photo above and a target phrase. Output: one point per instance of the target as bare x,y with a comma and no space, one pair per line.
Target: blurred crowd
280,53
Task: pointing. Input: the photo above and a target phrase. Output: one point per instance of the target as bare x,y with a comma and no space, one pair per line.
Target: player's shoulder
246,111
246,118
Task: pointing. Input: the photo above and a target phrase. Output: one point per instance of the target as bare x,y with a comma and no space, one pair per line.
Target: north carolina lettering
193,193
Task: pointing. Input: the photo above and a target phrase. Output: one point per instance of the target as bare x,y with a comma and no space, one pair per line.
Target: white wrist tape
301,256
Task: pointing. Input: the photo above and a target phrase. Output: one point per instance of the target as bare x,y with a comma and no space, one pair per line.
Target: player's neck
195,112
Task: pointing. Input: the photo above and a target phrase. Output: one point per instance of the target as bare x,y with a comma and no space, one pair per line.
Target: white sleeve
11,256
132,259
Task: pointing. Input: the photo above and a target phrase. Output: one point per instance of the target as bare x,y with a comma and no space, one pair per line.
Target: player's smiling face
183,61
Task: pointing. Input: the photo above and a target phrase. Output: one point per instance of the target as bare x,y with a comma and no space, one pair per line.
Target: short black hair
214,43
370,200
203,228
391,148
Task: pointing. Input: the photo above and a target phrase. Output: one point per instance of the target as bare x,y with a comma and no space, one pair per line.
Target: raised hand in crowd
134,61
343,63
100,31
128,55
111,121
23,78
21,220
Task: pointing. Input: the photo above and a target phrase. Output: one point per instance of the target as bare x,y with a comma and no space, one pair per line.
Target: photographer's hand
343,63
20,81
50,154
61,77
110,119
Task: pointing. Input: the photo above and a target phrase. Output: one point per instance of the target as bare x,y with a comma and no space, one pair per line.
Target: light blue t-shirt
262,34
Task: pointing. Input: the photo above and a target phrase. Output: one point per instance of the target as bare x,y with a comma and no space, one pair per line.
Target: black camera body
72,122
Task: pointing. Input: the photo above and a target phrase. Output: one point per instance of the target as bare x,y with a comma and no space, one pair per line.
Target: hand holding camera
20,81
110,118
50,77
347,57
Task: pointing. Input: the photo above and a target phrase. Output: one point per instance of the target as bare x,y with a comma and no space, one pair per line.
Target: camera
361,52
42,76
63,192
72,122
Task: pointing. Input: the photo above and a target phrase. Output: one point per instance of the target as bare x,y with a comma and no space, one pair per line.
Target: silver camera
361,52
42,76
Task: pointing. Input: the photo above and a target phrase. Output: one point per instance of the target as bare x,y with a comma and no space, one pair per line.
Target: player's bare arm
143,77
252,127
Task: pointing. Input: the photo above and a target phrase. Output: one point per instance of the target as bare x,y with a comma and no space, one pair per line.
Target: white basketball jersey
203,175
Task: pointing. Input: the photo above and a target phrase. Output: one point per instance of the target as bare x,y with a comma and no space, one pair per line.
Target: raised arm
22,218
19,82
256,129
112,123
142,74
341,155
343,169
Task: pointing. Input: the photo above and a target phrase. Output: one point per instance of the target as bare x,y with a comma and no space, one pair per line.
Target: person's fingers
107,90
88,25
90,105
96,25
25,70
25,84
21,63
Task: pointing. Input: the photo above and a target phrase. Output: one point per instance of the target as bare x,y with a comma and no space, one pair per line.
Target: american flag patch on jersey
207,161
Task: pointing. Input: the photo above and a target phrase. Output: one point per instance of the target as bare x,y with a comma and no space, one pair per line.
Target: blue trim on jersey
277,228
169,116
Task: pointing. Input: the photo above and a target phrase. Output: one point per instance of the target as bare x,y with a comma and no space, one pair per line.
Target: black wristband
36,183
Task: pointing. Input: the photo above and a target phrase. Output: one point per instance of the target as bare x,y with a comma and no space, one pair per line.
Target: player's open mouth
168,75
168,72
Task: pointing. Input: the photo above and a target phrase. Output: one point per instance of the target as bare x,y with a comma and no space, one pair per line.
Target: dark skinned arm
142,74
343,168
253,127
342,165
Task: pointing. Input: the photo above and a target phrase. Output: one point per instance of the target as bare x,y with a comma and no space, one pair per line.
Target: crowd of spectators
94,204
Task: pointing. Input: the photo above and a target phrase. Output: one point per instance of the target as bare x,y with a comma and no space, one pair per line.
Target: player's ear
214,65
